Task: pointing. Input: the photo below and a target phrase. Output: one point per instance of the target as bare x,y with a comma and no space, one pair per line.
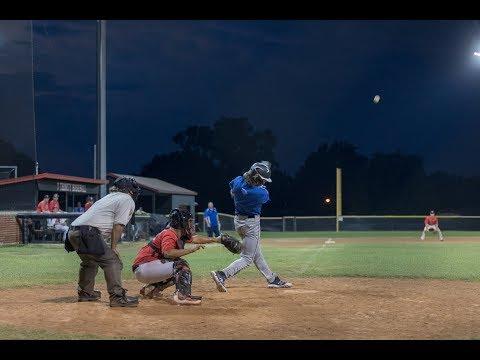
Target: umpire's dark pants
111,265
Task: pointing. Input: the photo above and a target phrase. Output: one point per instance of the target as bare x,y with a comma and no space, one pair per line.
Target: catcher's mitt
233,245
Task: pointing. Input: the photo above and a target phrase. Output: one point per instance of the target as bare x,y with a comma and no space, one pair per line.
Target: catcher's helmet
180,219
128,185
261,170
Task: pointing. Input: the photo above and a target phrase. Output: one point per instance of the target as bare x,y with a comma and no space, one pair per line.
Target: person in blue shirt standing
79,208
210,217
249,194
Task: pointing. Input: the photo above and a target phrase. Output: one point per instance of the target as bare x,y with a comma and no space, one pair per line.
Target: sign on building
81,188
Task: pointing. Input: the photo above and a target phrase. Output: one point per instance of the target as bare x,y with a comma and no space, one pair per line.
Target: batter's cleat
84,296
181,299
278,283
219,278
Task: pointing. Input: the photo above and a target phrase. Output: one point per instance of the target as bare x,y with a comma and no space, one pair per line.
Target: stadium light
327,200
476,53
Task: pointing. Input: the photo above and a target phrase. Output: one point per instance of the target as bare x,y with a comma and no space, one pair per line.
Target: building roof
157,185
51,176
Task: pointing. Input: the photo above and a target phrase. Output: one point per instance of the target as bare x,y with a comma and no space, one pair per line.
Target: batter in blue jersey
249,193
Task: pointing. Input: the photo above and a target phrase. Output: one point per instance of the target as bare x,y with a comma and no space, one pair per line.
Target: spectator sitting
89,203
59,225
54,205
79,208
43,205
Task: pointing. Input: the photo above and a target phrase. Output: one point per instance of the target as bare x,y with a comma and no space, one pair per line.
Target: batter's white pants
430,227
249,231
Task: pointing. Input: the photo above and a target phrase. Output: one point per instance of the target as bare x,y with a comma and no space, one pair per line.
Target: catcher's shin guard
183,277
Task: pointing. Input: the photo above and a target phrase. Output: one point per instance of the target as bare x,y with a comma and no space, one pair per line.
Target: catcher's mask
127,185
181,220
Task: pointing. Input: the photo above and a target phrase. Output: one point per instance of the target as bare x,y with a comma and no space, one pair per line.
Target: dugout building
158,196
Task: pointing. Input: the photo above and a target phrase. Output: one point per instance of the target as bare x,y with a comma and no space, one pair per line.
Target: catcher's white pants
434,228
154,271
249,231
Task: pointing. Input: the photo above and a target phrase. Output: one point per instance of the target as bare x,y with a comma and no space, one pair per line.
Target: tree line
383,183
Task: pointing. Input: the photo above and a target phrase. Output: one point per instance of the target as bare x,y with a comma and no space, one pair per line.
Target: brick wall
9,228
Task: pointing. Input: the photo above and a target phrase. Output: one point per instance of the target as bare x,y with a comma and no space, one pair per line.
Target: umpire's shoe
279,283
219,278
123,300
84,296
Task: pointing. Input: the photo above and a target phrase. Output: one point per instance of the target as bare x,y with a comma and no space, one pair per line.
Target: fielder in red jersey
431,224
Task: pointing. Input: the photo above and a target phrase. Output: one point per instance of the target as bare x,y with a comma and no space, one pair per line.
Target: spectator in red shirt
43,205
53,205
431,224
88,203
159,264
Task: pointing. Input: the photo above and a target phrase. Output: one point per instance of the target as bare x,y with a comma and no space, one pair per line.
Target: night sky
307,81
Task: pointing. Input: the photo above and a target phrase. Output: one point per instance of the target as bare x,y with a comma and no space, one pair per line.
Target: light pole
101,147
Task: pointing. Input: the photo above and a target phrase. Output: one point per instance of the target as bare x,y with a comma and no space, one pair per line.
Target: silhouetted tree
385,183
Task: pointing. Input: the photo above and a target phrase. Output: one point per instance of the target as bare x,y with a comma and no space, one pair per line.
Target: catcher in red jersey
431,224
160,263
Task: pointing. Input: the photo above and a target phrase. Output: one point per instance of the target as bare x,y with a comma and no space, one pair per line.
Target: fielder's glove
233,245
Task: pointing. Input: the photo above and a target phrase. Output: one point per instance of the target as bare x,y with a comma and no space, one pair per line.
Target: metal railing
34,227
353,223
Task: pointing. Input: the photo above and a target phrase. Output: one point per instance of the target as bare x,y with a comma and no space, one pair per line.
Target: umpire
94,236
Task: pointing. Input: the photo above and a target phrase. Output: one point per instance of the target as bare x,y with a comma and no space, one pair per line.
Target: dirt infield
325,308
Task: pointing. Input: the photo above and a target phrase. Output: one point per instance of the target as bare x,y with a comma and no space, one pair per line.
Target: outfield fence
353,223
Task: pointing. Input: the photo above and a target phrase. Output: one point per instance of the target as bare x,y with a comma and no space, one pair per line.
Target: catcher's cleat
151,291
180,299
219,278
84,296
278,283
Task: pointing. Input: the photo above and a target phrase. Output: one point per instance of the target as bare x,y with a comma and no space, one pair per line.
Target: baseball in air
376,99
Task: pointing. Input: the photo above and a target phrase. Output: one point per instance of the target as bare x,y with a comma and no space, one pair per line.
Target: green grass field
32,265
375,254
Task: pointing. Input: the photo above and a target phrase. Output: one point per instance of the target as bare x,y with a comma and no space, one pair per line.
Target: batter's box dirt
321,308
